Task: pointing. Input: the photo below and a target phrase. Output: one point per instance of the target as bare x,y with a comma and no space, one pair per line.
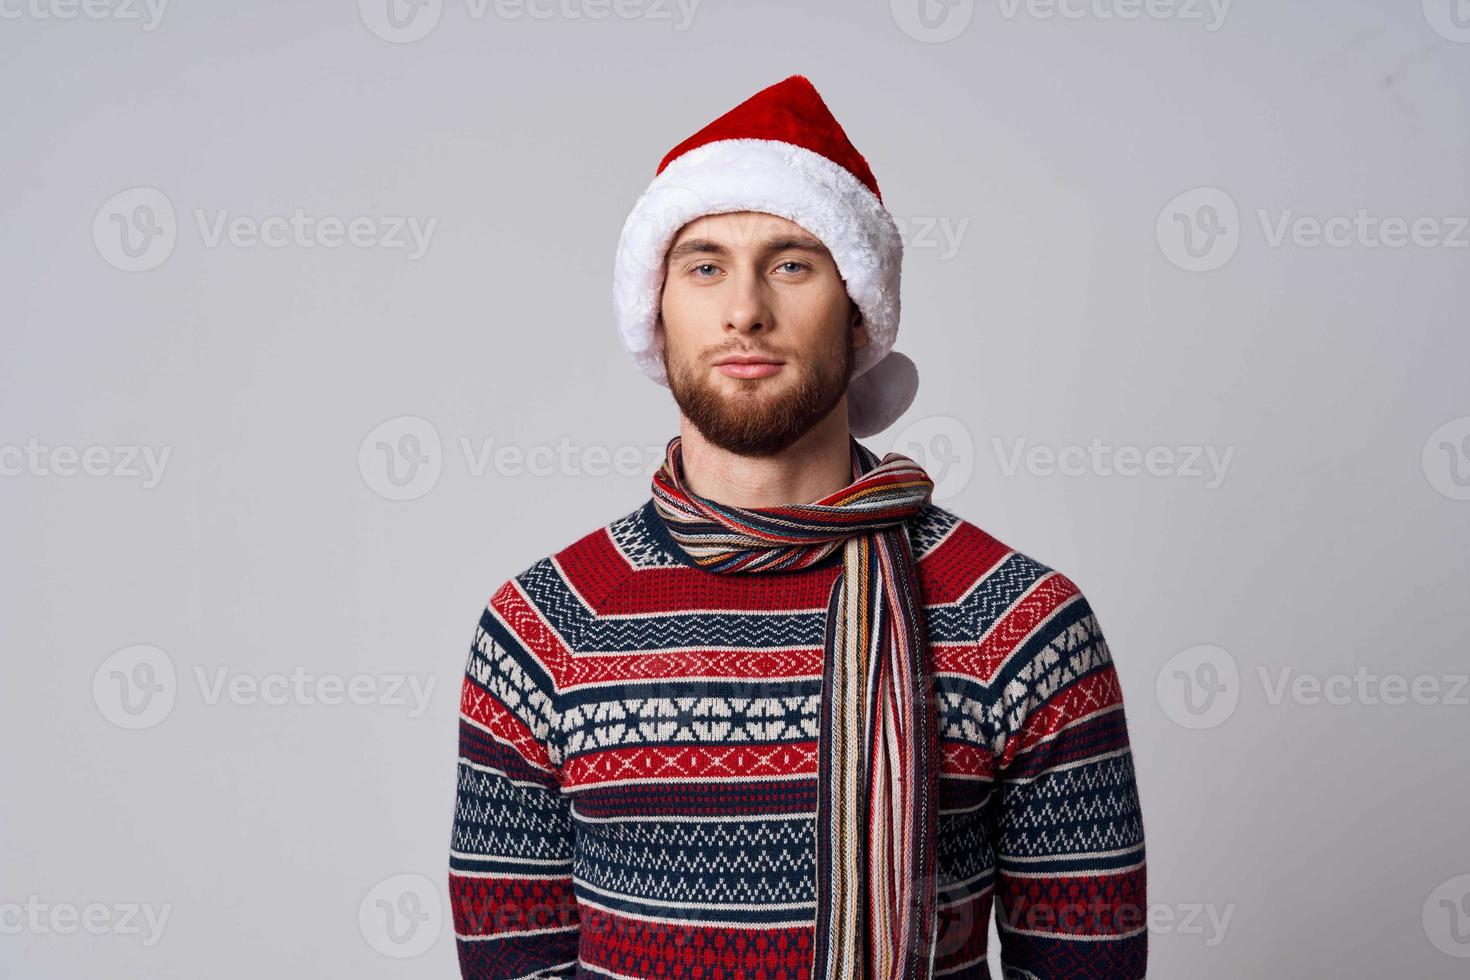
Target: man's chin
744,392
743,396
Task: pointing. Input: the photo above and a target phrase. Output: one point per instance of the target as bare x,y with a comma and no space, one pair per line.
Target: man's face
753,285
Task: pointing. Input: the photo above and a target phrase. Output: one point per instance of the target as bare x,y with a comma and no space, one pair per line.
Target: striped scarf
876,771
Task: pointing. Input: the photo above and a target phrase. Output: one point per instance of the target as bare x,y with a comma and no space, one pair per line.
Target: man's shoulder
593,565
952,544
964,562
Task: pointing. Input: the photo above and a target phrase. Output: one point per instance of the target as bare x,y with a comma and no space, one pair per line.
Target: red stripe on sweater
1001,642
964,759
503,906
1068,707
1104,904
783,668
526,624
635,947
594,565
705,762
486,710
964,558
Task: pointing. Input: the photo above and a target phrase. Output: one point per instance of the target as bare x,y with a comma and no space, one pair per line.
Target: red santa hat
781,152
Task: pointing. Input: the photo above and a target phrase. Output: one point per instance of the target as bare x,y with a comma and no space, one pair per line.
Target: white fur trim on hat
777,178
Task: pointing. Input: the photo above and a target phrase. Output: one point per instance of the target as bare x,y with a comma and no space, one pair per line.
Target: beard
761,416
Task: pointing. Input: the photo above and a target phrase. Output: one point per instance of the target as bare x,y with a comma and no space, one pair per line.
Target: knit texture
638,749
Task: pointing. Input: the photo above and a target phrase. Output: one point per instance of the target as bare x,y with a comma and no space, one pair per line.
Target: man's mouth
748,366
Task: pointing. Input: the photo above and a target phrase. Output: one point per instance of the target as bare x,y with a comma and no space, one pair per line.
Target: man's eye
799,265
706,265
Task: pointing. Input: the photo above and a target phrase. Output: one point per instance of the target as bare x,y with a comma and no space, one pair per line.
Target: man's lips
748,367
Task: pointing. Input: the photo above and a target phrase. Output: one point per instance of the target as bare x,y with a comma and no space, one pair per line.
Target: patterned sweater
638,756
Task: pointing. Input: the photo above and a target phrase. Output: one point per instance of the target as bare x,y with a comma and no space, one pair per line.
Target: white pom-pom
878,396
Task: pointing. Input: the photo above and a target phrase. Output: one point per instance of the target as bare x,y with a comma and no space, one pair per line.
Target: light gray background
1331,835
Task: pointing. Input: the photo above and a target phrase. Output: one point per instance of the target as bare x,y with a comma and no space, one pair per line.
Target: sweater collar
658,531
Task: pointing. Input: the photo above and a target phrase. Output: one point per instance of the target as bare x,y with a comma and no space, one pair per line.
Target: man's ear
857,327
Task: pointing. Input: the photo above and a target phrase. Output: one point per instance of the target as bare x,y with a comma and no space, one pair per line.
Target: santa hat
781,152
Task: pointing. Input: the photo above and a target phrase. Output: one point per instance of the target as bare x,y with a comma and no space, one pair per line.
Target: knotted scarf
876,769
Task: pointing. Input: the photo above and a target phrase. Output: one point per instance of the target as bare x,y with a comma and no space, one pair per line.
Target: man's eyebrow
779,243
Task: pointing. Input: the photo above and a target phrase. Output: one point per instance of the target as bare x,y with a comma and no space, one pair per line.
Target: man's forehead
746,228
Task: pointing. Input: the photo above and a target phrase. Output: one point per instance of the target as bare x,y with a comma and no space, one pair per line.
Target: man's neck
817,464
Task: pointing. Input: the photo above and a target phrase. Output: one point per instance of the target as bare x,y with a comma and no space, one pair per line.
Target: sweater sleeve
510,858
1070,887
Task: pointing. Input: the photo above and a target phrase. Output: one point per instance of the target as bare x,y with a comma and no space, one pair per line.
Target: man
788,718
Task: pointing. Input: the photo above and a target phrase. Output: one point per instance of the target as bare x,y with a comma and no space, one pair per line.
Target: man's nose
748,307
